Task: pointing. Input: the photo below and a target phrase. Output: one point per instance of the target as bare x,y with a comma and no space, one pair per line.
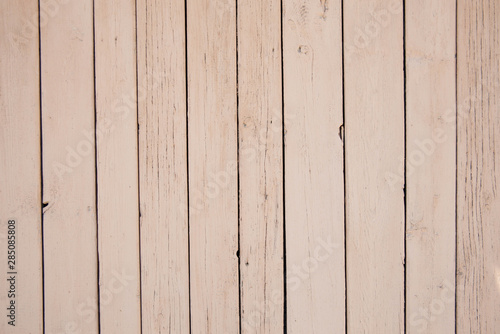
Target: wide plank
478,144
163,166
20,170
69,180
117,169
260,166
213,165
314,160
374,131
430,166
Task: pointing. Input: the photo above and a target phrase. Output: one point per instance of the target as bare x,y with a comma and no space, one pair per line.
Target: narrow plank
20,179
314,184
117,175
478,202
212,145
374,129
163,166
430,166
261,166
70,249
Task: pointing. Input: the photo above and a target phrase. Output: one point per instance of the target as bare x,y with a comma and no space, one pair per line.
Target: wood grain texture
430,150
314,184
70,249
478,202
213,191
374,130
251,166
163,166
117,175
20,179
260,166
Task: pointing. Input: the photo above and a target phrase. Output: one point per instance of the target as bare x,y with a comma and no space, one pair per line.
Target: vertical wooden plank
430,166
163,166
70,247
261,166
314,185
478,202
374,120
20,179
213,193
117,175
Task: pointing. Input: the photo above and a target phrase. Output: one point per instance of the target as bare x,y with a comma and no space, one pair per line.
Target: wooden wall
249,166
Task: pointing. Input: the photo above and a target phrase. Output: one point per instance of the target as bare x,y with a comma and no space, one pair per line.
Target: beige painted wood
20,179
261,166
478,202
374,121
70,249
199,220
163,166
430,166
314,185
213,192
117,175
